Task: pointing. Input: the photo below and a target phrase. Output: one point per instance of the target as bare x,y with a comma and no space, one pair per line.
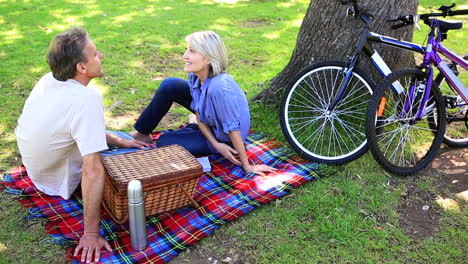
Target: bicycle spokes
401,142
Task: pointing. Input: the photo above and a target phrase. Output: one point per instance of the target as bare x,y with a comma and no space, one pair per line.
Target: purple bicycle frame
431,57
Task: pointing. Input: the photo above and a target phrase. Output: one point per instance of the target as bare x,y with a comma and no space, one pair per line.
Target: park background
353,215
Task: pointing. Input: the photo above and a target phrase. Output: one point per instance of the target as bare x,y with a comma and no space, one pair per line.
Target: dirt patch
418,217
453,163
173,120
419,214
170,120
219,249
254,23
164,66
121,122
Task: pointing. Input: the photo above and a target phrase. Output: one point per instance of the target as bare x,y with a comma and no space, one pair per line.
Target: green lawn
350,216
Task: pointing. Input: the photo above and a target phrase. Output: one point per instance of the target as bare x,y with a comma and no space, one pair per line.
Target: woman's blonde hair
212,47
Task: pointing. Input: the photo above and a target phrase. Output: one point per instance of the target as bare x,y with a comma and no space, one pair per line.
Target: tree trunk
327,33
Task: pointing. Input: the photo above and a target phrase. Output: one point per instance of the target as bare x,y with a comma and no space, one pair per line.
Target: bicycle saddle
445,25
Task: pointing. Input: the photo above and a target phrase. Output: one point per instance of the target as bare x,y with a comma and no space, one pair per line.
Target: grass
349,216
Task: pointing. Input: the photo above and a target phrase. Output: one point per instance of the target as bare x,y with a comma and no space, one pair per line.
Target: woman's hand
139,141
259,169
91,244
133,144
227,152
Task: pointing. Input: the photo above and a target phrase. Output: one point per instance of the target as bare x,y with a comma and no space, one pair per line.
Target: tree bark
327,33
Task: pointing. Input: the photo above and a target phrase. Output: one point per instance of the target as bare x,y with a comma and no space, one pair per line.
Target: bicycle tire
401,145
333,138
456,129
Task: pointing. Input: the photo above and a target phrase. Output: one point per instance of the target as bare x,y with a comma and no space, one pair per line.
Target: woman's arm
124,143
238,144
223,149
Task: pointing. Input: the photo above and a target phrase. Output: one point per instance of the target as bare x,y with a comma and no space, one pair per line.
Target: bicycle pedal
450,101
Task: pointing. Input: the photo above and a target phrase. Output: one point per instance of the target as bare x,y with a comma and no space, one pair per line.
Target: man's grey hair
212,47
67,50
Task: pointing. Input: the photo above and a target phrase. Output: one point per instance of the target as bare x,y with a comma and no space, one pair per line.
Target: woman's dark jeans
190,137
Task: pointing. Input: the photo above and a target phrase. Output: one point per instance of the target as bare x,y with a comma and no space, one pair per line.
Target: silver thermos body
136,215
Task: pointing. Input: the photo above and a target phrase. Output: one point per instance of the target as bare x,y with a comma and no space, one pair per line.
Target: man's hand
228,152
259,169
91,244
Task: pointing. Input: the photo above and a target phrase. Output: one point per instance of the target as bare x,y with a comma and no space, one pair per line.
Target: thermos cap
135,192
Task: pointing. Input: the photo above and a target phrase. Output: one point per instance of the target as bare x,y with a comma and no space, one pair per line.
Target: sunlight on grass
9,36
448,204
151,10
37,69
226,1
298,22
86,2
7,154
137,64
221,24
2,247
124,18
272,35
103,88
284,4
463,195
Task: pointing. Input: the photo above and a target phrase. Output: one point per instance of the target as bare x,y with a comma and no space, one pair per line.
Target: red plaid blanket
224,194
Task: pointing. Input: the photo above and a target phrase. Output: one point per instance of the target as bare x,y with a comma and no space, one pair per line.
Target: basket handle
188,196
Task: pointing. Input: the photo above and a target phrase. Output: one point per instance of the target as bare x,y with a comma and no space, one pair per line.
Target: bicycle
406,128
323,111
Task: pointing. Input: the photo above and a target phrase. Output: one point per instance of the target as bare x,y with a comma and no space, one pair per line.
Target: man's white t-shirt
61,122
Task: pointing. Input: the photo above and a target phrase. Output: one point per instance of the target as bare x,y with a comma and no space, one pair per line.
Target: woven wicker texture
169,176
153,166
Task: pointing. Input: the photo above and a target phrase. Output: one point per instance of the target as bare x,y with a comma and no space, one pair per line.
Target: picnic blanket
225,194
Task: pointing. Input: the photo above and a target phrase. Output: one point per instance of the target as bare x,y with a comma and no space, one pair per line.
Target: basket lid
152,166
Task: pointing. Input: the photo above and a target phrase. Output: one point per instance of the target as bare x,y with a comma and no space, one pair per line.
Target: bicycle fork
347,72
418,95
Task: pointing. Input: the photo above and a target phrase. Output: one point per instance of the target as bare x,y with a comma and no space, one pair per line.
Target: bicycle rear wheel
333,137
400,143
456,128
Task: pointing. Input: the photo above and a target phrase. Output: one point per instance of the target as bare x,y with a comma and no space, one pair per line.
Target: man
62,130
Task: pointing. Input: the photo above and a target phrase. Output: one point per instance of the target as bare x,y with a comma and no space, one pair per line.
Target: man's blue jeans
190,137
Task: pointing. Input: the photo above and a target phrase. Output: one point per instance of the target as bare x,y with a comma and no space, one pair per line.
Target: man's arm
92,185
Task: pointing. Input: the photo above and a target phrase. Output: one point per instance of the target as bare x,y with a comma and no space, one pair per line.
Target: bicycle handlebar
410,19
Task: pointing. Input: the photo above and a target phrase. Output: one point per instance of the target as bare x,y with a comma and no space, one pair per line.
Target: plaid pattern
224,194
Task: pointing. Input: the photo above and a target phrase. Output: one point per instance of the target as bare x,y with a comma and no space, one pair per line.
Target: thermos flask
136,215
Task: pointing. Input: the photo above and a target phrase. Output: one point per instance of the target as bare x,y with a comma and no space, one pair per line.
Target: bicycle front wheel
317,133
400,142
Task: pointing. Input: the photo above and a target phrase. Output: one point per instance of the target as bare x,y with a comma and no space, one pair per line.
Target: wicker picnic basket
168,174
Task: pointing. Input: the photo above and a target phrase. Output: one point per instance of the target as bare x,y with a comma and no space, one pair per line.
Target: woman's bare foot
142,137
192,118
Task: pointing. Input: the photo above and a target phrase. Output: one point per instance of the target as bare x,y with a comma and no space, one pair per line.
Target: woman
221,108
